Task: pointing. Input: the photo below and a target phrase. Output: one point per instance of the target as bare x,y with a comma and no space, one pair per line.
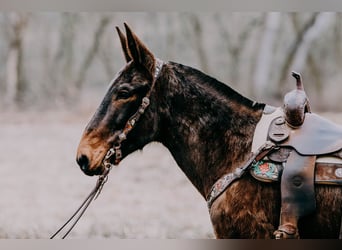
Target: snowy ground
147,196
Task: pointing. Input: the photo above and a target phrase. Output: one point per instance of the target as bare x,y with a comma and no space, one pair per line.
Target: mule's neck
206,125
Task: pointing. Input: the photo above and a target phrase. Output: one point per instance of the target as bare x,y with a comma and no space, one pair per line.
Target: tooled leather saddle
308,151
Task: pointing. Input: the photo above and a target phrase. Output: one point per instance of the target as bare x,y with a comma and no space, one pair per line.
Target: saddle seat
316,136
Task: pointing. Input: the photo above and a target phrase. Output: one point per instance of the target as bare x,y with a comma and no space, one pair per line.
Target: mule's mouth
92,172
92,157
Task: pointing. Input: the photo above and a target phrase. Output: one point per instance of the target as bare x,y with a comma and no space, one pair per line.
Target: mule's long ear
124,44
139,52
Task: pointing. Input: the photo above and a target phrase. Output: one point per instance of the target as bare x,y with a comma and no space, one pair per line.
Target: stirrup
286,231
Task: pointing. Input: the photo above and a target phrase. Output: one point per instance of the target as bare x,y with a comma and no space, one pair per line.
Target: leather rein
115,151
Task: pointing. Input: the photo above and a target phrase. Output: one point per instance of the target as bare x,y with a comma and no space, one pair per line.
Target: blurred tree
170,37
107,60
338,38
236,47
50,57
63,60
15,84
265,53
198,40
322,24
311,63
89,56
292,53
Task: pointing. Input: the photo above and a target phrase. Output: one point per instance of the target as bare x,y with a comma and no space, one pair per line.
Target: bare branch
294,48
198,33
92,51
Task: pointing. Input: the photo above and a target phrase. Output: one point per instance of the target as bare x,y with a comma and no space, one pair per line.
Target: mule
208,128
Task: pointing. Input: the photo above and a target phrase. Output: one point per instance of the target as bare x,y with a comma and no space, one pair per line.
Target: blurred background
50,59
55,68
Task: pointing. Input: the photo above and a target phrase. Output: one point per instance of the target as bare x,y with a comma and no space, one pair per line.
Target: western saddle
307,151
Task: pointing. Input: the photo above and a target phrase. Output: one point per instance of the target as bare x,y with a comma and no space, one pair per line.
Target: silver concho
338,172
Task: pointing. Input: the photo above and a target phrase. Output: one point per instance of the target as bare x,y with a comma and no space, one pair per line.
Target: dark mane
221,88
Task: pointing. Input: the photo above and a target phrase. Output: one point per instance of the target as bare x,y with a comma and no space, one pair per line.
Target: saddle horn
296,103
299,82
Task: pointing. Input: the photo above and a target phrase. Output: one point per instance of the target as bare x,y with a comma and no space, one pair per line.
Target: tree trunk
12,74
91,52
299,51
15,86
321,23
288,62
264,58
235,49
62,66
198,36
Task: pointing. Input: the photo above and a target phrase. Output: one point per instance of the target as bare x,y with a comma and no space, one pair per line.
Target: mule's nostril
83,162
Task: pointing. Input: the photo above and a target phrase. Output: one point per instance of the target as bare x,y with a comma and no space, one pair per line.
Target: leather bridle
115,151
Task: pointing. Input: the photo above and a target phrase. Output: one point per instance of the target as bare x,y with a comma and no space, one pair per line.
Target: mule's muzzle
83,162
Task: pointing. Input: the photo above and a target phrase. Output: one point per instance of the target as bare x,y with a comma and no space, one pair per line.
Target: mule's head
122,101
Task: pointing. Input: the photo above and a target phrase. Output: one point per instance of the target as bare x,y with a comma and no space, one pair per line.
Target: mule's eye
123,94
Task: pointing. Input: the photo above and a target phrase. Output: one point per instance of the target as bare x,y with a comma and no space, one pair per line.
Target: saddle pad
317,136
329,172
